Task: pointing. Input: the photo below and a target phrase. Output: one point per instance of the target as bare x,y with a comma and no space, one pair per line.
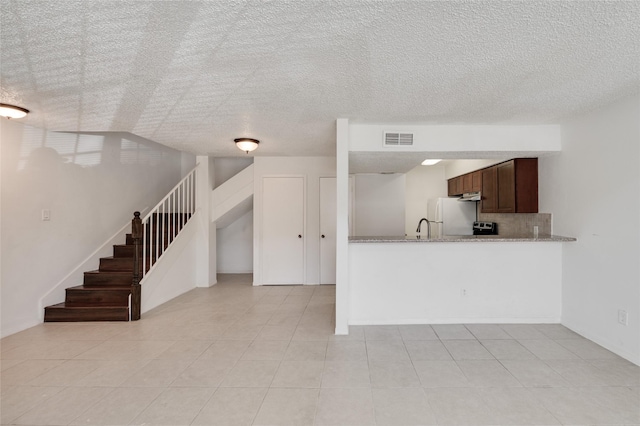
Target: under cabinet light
431,162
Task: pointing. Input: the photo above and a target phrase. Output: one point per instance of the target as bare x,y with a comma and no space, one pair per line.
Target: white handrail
165,221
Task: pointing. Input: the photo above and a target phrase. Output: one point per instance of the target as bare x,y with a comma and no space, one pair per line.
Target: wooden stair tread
99,288
62,312
99,278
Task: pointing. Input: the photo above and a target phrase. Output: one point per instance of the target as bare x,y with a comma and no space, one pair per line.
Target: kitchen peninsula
455,279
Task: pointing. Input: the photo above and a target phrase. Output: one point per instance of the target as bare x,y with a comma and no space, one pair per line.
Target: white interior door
283,230
327,230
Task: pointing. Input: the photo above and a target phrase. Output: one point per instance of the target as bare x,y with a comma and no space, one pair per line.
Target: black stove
485,228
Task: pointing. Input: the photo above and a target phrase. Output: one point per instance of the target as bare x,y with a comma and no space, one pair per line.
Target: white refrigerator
457,217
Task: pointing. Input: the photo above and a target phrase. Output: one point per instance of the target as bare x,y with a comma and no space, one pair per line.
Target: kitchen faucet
428,227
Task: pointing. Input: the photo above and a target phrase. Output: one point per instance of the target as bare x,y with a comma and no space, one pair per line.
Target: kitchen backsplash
519,224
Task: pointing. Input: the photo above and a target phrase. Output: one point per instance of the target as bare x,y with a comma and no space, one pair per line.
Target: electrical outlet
46,215
463,292
623,317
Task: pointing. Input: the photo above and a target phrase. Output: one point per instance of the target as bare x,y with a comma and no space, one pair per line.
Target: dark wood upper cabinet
476,181
451,185
506,202
470,182
511,187
467,182
455,186
508,187
489,201
526,171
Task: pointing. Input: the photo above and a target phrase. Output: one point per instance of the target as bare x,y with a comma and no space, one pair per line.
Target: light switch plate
623,318
46,215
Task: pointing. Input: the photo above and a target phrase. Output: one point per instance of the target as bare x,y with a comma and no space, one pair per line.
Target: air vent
398,139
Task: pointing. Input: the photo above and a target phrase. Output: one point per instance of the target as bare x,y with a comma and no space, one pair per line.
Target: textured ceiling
193,75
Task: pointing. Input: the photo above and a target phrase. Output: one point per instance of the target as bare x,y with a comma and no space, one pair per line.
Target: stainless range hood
470,196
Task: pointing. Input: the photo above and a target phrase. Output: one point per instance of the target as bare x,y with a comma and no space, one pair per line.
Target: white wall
179,270
455,168
379,205
226,167
463,141
312,168
422,183
422,283
206,273
91,183
235,241
344,208
593,190
235,246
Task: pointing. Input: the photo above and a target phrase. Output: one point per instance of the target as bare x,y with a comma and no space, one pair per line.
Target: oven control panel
485,228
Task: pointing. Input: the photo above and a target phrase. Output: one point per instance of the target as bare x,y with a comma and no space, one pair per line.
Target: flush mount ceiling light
246,144
431,162
12,111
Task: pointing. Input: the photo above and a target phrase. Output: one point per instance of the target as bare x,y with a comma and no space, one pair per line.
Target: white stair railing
165,221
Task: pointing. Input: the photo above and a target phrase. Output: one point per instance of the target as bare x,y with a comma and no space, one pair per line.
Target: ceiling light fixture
12,111
430,162
246,144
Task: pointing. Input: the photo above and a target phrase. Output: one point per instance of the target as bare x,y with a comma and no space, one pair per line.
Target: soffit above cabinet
403,162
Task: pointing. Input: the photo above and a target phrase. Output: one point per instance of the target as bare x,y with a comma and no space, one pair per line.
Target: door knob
299,236
322,235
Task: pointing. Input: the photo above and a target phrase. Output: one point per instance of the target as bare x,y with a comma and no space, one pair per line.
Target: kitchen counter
398,280
462,239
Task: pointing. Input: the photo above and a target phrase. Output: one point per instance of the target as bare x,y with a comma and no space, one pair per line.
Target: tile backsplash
519,224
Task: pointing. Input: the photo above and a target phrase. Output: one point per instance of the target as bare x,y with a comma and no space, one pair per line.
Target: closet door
283,230
327,230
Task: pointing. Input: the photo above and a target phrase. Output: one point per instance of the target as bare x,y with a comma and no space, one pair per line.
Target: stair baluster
136,234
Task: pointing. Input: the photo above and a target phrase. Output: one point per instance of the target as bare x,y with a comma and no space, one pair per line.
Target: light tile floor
235,354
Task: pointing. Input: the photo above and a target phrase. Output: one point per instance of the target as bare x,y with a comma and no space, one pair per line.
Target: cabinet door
476,181
489,190
452,188
467,182
283,230
526,178
328,230
506,187
455,186
459,186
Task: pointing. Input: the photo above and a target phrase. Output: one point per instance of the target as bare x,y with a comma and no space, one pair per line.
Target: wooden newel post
136,235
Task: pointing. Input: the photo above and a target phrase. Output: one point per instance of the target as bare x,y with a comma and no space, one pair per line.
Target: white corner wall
343,212
593,190
90,183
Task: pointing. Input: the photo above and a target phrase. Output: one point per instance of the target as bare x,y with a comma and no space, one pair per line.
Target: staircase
104,295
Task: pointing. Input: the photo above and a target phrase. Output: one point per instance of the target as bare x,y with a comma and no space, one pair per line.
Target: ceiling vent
398,139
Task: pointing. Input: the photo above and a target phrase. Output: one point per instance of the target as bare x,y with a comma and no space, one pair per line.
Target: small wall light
430,162
12,111
246,144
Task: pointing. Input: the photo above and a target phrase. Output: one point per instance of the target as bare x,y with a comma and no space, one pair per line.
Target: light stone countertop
462,239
